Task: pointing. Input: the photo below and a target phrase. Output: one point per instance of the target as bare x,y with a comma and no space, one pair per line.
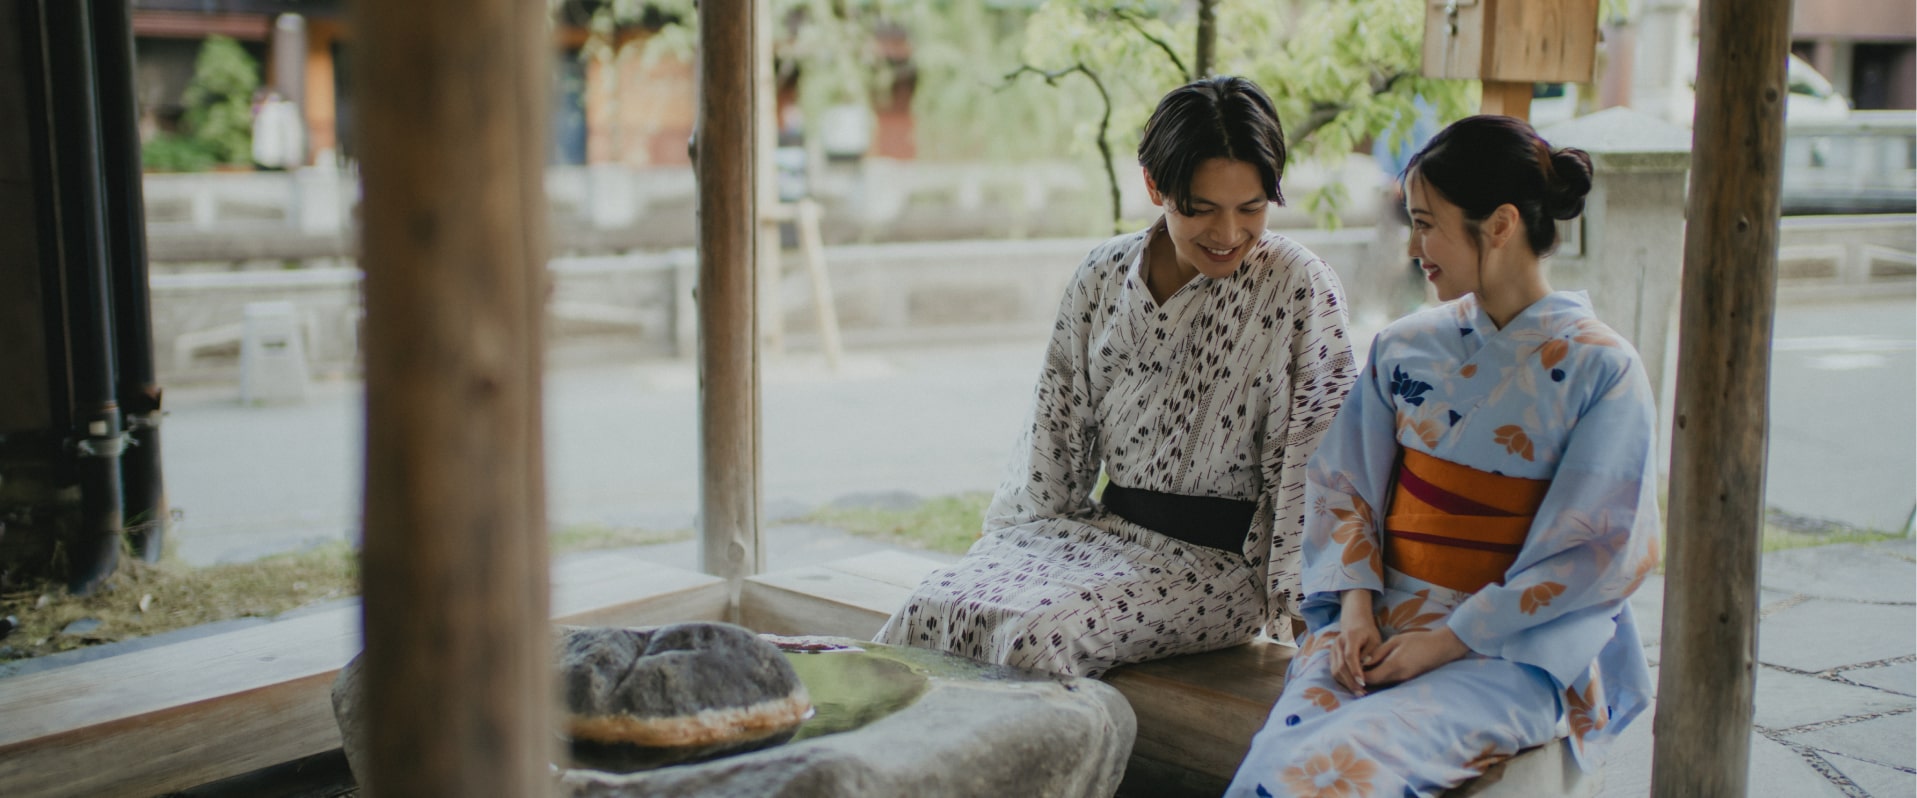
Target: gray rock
641,698
959,729
348,711
82,626
976,730
676,693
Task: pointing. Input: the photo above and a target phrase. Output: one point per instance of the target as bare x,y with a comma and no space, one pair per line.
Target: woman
1480,510
1197,362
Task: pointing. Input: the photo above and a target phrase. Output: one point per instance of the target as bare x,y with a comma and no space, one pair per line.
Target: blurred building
612,102
1867,48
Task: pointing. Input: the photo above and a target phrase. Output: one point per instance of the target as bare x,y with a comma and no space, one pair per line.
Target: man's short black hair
1217,117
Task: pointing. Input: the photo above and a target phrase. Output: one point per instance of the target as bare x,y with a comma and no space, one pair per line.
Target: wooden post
726,163
452,130
812,244
1509,44
770,252
1510,98
1707,674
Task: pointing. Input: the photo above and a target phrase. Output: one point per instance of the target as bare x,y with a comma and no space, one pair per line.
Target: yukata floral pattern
1553,395
1223,390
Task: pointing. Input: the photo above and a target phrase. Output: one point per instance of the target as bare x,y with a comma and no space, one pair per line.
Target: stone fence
642,305
234,217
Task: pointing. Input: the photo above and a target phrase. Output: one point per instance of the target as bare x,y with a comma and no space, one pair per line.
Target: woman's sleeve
1320,372
1594,540
1055,462
1346,485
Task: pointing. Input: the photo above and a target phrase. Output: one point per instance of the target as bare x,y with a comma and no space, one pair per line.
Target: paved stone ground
1836,643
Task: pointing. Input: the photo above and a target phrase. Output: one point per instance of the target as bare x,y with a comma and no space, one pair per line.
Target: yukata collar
1550,305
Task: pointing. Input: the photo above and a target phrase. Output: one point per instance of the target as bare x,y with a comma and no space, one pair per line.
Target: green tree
219,100
218,125
1027,79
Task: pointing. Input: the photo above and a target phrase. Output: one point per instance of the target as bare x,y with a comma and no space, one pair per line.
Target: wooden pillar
320,104
1509,98
726,165
1707,673
452,127
771,257
1509,44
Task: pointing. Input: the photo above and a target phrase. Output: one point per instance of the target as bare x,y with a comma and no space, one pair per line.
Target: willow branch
1323,113
1131,19
1104,123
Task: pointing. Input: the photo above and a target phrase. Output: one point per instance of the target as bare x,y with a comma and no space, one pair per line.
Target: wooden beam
726,164
1707,673
452,133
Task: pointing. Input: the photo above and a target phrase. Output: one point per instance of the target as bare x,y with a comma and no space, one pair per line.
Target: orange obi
1455,526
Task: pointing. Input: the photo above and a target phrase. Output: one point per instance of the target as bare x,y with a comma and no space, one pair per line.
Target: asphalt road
623,439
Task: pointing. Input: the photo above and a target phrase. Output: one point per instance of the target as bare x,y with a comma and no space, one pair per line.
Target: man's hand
1409,654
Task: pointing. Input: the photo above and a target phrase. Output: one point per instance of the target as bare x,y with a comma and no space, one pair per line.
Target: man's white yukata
1221,391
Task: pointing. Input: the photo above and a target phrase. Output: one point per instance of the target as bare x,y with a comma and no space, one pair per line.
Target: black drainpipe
75,149
139,392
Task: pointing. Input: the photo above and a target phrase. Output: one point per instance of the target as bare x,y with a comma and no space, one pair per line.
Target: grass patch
946,524
143,599
1777,538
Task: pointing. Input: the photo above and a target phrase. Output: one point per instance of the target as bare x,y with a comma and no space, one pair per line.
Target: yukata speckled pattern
1553,395
1223,390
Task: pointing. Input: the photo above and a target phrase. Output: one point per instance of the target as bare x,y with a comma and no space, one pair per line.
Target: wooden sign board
1548,41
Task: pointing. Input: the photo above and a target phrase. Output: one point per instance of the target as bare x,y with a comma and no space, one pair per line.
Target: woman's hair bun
1567,183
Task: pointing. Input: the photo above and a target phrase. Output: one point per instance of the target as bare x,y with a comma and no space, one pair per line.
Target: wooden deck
177,716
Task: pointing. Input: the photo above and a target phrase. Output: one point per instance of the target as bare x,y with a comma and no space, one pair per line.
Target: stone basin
894,721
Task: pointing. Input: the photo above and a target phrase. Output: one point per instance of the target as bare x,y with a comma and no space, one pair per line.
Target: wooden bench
1196,714
173,717
191,713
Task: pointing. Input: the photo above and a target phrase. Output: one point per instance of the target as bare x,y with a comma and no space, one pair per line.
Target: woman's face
1228,205
1441,241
